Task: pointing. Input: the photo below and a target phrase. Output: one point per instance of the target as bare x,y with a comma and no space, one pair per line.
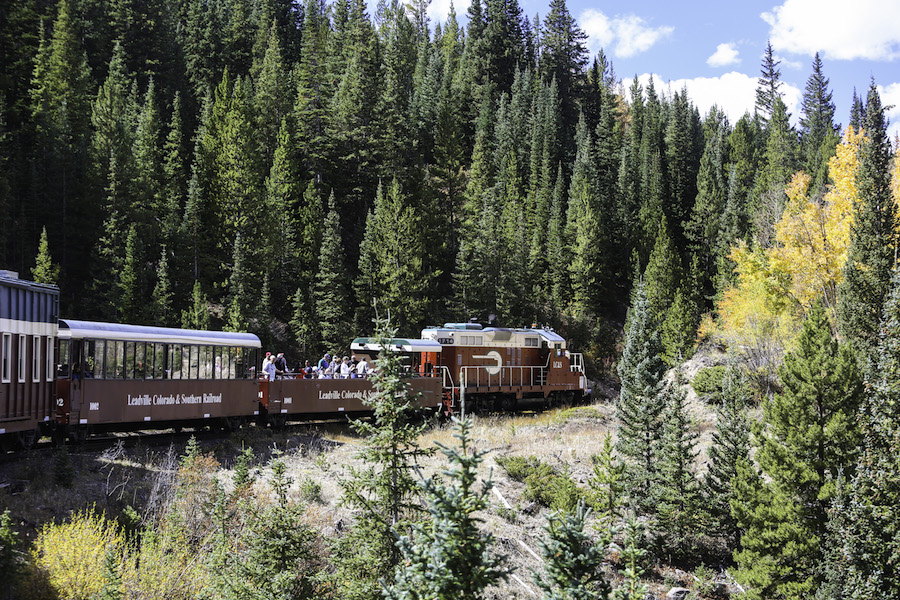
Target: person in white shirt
362,369
269,367
345,368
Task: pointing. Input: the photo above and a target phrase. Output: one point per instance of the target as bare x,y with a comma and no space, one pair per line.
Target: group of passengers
275,367
349,367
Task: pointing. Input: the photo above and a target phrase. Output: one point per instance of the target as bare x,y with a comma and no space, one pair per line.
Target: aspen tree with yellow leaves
777,285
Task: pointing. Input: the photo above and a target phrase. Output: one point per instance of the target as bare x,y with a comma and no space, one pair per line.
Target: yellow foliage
777,285
70,556
168,568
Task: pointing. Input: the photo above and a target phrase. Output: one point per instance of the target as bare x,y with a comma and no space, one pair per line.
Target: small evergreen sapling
449,557
573,562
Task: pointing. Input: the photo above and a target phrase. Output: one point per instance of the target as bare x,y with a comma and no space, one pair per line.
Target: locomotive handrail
507,376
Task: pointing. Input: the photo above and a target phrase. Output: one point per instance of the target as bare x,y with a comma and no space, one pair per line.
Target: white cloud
725,54
787,63
629,35
439,10
890,95
841,30
734,93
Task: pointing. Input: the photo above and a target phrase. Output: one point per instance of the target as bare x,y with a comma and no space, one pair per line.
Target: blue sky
715,48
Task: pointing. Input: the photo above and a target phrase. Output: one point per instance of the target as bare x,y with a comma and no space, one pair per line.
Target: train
69,378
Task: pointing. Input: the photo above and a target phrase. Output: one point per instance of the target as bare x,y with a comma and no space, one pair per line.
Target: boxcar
115,377
28,315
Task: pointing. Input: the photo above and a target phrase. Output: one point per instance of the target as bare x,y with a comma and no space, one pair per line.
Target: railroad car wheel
28,438
58,435
233,424
278,421
79,434
507,403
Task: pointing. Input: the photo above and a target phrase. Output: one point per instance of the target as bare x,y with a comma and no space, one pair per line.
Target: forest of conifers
285,169
289,170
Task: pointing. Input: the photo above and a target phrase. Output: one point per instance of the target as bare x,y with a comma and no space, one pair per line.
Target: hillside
316,458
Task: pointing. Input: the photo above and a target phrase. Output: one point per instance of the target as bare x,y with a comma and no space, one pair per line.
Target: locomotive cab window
531,342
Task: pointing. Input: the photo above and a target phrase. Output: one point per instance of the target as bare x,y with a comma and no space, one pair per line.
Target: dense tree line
282,167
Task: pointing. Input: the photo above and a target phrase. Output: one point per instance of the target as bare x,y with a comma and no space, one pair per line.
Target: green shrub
708,382
542,484
310,490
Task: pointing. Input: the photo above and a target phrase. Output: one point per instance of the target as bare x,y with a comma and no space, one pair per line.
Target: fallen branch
523,584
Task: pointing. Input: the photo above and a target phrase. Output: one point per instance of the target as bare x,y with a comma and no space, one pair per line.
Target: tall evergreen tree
679,504
768,86
640,408
730,446
818,134
132,280
873,238
564,58
44,270
809,435
331,293
384,491
866,522
588,271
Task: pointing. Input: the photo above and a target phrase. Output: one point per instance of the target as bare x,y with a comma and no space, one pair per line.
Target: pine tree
44,270
866,522
238,311
148,206
809,435
274,559
132,280
703,229
587,269
818,134
873,239
330,292
572,560
383,491
730,446
61,113
450,556
768,85
161,301
563,58
679,502
606,484
777,166
640,408
196,316
662,274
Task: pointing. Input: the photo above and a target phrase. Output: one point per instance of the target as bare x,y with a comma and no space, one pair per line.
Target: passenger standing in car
281,365
345,368
362,369
269,367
